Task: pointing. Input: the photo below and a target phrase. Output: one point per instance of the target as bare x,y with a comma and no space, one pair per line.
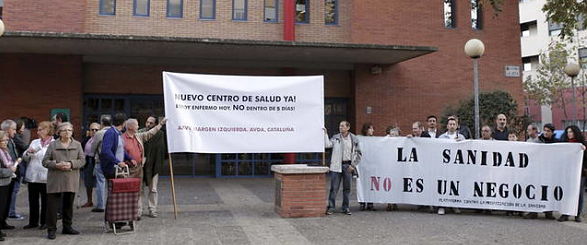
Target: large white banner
497,175
244,114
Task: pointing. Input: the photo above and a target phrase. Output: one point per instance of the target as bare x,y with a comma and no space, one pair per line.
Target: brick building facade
56,53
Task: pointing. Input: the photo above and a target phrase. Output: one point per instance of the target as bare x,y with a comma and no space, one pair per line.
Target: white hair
131,121
7,124
63,125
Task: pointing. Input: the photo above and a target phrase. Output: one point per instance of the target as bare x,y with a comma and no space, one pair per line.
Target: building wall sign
512,71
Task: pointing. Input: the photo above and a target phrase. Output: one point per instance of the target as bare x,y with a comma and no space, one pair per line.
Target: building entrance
202,165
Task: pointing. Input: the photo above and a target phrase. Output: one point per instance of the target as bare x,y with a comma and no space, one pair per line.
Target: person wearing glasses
88,170
63,158
36,175
7,170
486,133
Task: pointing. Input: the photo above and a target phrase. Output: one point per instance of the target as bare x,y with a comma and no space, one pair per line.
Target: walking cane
172,186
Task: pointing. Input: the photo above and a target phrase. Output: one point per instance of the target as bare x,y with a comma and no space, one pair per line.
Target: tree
568,13
490,105
548,85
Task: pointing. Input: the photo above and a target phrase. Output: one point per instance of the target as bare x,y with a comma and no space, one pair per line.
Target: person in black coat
418,130
573,134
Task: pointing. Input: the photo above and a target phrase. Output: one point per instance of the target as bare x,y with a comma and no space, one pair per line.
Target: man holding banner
346,155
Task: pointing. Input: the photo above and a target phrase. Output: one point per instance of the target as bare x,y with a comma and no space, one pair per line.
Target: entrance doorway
211,165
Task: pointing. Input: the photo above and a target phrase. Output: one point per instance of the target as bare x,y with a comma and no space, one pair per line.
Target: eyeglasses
66,130
94,129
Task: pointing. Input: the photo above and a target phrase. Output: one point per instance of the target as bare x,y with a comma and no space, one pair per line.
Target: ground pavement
240,211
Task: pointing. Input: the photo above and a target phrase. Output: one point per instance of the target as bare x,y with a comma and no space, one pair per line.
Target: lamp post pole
476,92
474,48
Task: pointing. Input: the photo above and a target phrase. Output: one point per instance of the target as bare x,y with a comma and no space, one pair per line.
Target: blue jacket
108,153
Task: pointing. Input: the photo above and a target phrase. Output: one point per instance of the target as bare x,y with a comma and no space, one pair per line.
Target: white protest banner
244,114
497,175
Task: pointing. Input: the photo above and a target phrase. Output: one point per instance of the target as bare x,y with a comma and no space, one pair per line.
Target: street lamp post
572,70
474,48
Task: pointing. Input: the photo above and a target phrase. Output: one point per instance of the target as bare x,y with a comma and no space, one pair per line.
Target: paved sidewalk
240,211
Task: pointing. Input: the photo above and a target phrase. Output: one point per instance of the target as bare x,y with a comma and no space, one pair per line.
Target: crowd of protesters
346,155
52,165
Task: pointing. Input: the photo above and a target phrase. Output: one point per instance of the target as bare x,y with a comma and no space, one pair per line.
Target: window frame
276,12
557,28
582,63
335,13
479,13
213,10
246,2
180,10
453,14
101,11
306,16
134,9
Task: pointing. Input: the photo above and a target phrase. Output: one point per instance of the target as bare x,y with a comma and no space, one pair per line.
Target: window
107,7
583,57
239,9
581,22
528,28
141,7
1,7
530,62
271,11
175,8
331,12
554,28
303,11
476,15
208,9
450,14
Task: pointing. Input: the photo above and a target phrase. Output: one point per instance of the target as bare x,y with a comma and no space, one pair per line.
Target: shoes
389,207
98,210
441,211
362,206
329,212
347,212
531,216
458,211
30,226
370,207
2,234
578,219
153,214
51,235
87,205
16,217
43,227
548,215
69,231
563,218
